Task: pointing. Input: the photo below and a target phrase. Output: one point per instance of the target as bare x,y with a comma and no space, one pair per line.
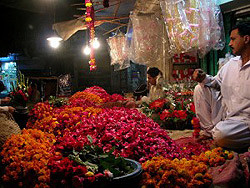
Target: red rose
159,103
192,107
165,114
180,114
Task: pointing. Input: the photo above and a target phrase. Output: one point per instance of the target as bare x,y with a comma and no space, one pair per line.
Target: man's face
237,42
151,80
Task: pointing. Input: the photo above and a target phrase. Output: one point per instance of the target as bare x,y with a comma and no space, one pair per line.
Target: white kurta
155,91
230,124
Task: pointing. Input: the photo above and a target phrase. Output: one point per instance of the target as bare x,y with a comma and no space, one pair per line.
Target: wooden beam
117,8
114,29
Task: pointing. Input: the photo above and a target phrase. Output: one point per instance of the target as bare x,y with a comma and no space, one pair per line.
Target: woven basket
8,126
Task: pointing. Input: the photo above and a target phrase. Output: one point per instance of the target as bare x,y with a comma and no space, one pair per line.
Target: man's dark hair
153,71
243,28
2,87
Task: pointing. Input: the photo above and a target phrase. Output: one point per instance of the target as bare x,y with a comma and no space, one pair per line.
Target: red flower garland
90,14
196,125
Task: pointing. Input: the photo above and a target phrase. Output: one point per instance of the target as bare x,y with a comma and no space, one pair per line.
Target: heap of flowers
55,119
122,131
131,133
58,120
25,157
40,110
94,96
215,157
162,172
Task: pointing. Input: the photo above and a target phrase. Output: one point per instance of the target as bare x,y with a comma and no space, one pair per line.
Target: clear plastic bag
181,36
118,50
212,35
147,40
145,7
193,25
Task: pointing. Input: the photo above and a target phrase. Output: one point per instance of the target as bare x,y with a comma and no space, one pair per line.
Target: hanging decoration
91,26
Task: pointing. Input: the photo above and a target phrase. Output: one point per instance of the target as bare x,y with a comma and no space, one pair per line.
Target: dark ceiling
25,24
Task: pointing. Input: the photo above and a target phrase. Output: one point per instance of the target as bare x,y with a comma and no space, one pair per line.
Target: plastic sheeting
118,51
193,25
147,6
146,42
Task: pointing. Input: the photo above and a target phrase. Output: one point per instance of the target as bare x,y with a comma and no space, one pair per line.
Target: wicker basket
8,126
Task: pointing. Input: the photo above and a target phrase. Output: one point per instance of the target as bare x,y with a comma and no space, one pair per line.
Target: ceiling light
87,50
54,41
96,43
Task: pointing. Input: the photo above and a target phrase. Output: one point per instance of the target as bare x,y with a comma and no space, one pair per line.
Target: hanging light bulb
96,43
54,41
87,50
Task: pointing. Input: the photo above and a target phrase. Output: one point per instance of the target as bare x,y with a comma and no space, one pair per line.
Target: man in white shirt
223,102
155,85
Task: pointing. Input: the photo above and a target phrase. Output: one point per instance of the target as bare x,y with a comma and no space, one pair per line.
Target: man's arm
200,76
5,100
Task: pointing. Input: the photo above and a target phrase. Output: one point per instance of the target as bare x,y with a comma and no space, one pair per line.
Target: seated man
155,85
223,102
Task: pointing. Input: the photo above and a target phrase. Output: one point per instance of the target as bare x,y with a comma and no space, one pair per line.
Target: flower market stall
79,142
95,139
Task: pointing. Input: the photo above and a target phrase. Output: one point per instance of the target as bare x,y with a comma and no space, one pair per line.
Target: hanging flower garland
90,14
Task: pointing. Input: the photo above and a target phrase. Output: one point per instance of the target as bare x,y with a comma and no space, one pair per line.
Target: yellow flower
88,174
88,4
88,19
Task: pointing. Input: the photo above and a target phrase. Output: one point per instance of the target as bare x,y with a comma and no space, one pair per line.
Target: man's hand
5,100
11,109
199,75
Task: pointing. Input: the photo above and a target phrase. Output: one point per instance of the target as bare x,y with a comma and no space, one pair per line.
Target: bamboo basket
8,126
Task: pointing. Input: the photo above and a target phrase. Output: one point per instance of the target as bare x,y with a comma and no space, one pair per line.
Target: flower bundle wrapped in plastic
193,25
160,172
119,50
25,157
147,41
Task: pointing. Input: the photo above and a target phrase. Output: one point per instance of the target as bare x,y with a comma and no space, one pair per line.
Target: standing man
223,102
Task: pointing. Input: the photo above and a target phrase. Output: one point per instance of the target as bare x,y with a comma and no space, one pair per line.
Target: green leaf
90,139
